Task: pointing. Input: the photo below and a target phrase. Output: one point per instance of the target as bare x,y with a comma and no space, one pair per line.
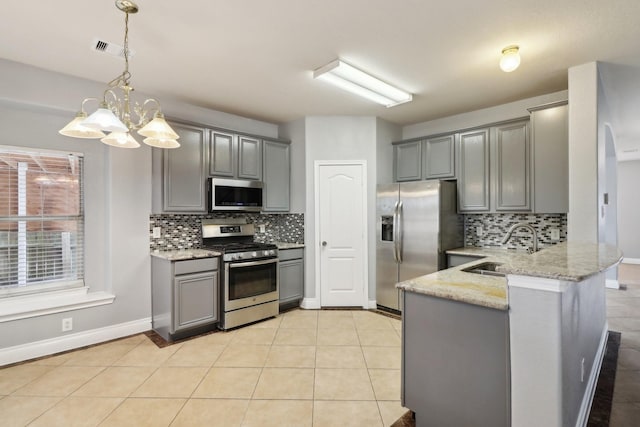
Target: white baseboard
372,304
49,346
310,303
590,391
631,260
612,284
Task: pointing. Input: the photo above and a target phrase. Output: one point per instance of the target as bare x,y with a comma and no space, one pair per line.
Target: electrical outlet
554,234
67,324
157,231
262,227
479,231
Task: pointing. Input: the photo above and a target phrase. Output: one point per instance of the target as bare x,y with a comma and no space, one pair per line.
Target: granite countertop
185,254
566,261
283,245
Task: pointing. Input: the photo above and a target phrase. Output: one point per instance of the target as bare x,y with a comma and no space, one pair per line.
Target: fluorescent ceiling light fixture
350,78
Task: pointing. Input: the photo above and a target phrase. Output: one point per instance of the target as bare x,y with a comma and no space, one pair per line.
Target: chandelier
115,113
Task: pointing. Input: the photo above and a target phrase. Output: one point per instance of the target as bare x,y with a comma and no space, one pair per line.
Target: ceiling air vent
112,49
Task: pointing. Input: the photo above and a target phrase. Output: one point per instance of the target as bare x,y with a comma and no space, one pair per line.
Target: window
41,221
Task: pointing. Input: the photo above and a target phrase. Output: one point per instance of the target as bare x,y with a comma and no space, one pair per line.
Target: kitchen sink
486,268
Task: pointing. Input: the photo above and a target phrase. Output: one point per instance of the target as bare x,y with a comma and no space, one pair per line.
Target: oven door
250,283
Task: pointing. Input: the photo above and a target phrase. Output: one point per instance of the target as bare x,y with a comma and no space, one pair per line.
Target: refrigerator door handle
398,237
395,232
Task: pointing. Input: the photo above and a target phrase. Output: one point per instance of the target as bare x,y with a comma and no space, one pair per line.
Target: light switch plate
554,234
262,228
157,232
479,231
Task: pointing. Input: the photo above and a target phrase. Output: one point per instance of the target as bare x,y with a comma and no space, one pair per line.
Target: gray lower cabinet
438,157
511,166
183,172
276,176
185,296
407,160
454,260
291,272
473,171
550,143
455,367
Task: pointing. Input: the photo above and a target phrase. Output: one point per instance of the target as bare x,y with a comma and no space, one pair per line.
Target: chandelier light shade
349,78
120,140
158,128
510,58
104,119
75,128
161,142
118,114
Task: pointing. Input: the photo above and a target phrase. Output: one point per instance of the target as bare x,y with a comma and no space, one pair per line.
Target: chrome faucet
528,226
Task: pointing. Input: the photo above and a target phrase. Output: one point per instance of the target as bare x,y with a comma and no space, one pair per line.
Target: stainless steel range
250,282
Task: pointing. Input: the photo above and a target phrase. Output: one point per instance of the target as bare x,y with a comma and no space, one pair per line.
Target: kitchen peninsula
520,350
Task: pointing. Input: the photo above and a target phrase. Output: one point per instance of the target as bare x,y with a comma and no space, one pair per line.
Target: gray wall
512,110
34,105
550,333
628,208
385,133
582,219
338,138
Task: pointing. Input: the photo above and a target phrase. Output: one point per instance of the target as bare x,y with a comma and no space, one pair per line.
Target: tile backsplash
183,231
493,228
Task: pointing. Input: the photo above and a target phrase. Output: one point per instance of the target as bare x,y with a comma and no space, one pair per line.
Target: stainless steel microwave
234,195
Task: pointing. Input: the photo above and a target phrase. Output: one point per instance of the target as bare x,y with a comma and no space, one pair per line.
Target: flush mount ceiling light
350,78
510,58
116,112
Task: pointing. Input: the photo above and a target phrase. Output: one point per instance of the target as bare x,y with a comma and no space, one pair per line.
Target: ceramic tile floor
623,315
303,368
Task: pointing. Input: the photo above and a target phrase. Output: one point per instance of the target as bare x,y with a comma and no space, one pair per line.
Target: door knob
324,243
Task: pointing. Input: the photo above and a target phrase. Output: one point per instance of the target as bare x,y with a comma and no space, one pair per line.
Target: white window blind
41,220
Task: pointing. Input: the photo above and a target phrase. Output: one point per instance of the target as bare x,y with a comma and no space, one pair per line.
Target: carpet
602,399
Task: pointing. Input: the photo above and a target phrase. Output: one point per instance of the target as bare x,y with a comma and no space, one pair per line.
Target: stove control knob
272,252
254,254
265,253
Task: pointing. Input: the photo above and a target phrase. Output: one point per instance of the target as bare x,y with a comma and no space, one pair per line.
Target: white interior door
341,223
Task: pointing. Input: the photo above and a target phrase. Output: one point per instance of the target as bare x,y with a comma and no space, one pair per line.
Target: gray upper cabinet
550,142
249,157
276,176
180,175
222,154
234,156
407,161
438,157
511,166
473,171
183,171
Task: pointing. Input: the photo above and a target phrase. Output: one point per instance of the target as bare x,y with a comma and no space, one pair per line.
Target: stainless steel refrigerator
416,223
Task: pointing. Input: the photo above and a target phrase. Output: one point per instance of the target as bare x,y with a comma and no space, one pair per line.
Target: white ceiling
255,58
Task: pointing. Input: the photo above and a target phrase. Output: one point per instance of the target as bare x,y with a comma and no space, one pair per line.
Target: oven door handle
252,263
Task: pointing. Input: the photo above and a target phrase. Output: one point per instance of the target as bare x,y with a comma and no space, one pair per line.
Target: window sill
23,307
